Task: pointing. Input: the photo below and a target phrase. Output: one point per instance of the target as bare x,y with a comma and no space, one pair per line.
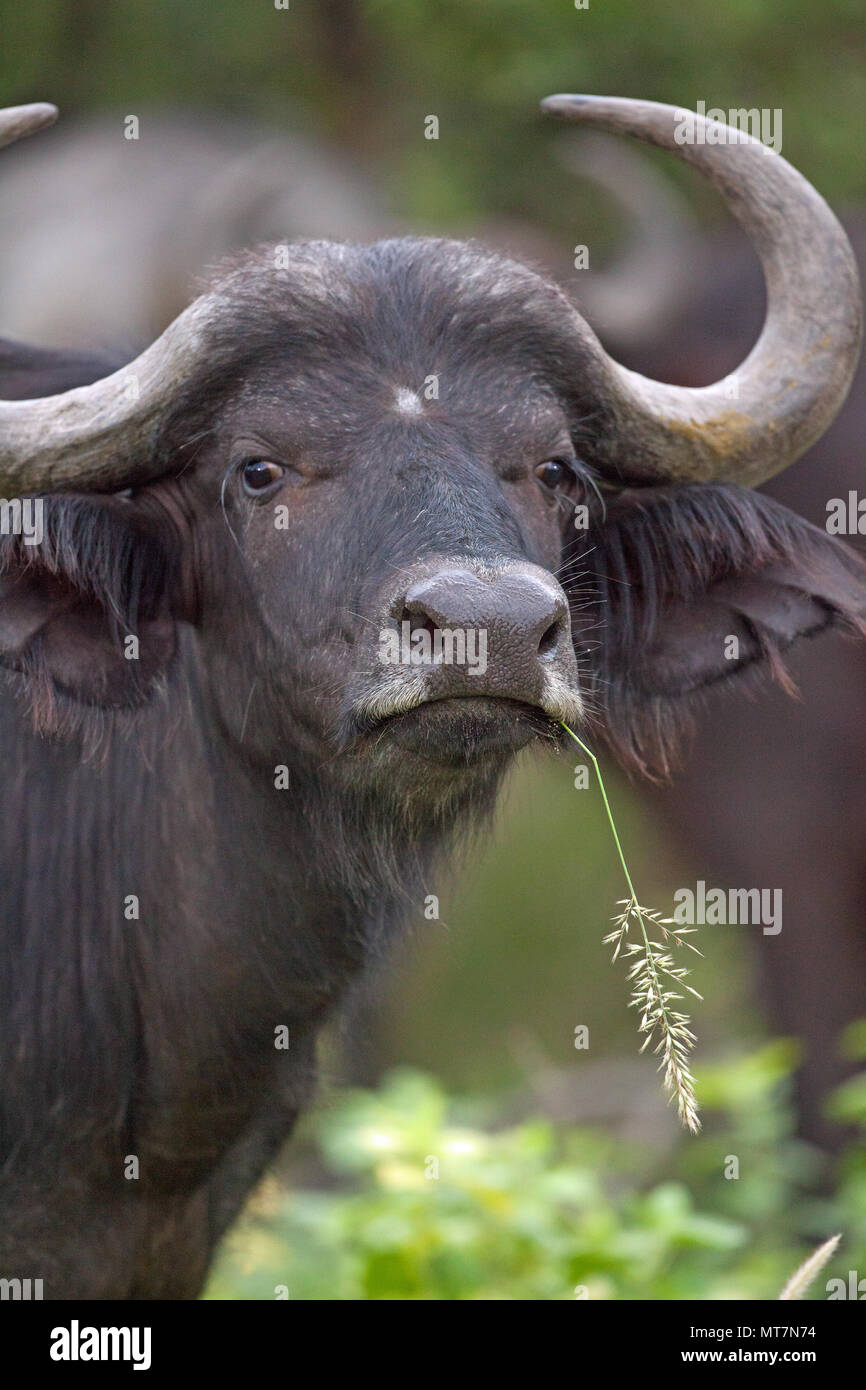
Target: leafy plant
441,1209
418,1196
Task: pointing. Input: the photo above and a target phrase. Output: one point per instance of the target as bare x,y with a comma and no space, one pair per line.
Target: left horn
760,418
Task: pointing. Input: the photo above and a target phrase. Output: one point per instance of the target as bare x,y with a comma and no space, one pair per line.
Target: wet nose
517,615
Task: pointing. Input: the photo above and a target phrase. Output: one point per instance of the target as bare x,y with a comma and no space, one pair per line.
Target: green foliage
419,1201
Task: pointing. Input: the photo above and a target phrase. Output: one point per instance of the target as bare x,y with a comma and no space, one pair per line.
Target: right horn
759,419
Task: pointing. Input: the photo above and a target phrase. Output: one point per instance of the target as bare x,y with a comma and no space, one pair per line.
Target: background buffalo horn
95,437
756,421
643,287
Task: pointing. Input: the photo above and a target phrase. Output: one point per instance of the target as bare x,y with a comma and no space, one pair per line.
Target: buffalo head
400,512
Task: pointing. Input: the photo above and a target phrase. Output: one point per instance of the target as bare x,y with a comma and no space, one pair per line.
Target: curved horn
95,437
780,400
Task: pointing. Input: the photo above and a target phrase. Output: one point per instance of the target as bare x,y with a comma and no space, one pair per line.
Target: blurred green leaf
437,1210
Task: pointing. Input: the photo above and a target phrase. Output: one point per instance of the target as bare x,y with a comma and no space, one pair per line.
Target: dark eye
260,474
554,472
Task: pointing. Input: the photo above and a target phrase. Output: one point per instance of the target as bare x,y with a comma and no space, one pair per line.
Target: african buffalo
226,783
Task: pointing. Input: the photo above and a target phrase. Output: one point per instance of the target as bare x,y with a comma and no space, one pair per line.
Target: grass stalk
651,966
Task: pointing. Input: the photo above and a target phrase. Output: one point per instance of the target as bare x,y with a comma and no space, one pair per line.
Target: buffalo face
387,532
388,482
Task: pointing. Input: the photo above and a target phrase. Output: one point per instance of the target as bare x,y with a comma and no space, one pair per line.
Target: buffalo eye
259,475
554,472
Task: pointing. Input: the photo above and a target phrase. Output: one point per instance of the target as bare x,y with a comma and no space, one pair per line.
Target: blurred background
191,129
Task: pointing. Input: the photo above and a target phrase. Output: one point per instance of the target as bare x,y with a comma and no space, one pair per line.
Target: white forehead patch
407,402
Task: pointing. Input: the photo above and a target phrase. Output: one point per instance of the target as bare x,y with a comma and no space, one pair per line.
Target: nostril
418,621
550,638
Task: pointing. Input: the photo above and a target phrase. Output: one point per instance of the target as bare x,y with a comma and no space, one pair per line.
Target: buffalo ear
86,615
738,622
693,585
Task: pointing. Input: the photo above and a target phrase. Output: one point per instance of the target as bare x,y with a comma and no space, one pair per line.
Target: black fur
662,557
